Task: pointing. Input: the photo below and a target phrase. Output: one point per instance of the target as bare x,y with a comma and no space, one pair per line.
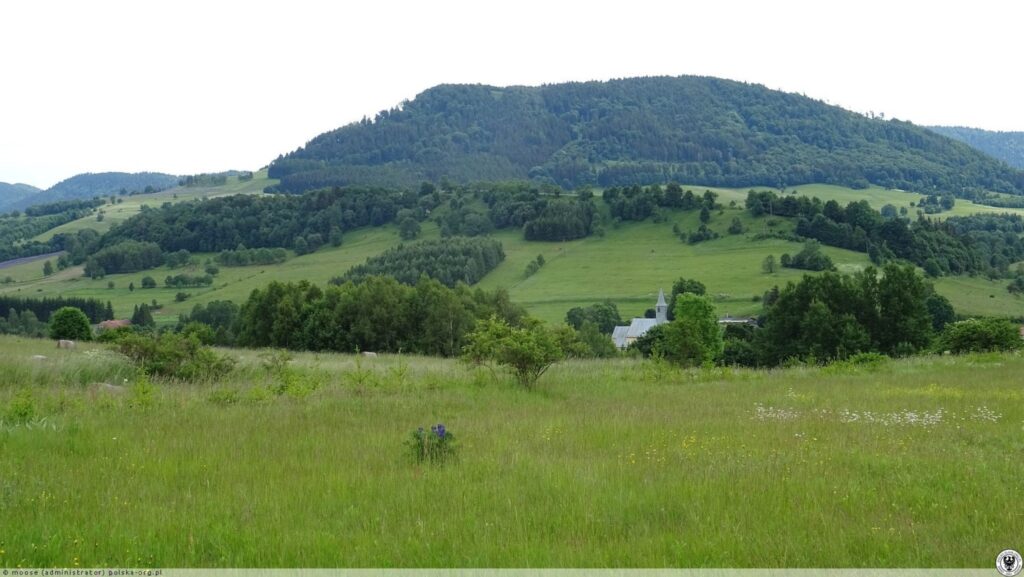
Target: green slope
88,185
11,194
1006,146
132,205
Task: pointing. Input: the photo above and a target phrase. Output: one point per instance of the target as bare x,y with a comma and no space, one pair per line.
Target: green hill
11,194
697,130
88,185
1006,146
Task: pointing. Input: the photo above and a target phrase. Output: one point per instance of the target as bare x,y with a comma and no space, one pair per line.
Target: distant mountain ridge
696,130
1006,146
88,185
12,193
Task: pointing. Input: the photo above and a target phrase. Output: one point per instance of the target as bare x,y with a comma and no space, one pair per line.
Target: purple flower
439,429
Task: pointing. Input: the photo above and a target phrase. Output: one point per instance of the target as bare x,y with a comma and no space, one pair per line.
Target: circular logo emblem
1009,563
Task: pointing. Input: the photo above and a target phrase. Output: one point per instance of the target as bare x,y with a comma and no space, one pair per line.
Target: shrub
435,446
694,337
114,335
224,397
527,352
204,333
22,409
141,393
979,335
70,323
174,356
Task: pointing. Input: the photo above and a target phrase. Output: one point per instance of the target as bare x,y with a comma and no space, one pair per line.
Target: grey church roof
639,327
619,336
661,299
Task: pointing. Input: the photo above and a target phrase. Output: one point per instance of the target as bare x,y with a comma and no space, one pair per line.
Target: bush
174,356
22,408
694,337
70,323
527,352
114,335
435,446
224,397
979,335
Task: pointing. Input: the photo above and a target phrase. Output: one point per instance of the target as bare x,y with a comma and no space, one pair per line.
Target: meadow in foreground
911,463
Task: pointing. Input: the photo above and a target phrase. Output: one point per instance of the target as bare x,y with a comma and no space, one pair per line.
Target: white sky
200,86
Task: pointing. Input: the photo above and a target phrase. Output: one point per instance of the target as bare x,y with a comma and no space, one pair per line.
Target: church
625,335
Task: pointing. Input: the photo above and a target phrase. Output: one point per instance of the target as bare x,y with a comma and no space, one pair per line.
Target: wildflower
440,430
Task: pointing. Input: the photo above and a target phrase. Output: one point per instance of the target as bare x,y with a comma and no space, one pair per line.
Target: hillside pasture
630,263
627,265
132,205
231,283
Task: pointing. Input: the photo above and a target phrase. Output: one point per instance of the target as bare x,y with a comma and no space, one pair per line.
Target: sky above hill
197,86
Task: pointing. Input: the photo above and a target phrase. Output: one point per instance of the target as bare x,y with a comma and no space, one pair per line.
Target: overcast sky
201,86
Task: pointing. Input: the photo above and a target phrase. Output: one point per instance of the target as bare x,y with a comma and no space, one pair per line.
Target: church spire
661,309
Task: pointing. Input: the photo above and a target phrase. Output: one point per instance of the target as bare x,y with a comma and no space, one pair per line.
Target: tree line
832,316
242,256
977,244
95,309
639,203
377,314
16,232
451,261
224,223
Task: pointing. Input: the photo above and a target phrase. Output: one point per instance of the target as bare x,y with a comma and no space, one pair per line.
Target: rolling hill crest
698,130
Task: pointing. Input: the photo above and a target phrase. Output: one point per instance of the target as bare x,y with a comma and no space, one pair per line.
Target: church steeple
661,309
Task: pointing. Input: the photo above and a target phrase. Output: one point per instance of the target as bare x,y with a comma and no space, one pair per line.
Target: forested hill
1006,146
688,129
11,193
88,185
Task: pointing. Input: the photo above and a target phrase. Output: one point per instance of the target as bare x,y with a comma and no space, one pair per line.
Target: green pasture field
617,463
629,264
876,196
980,296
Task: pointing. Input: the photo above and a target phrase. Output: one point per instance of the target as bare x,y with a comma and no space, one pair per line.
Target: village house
113,324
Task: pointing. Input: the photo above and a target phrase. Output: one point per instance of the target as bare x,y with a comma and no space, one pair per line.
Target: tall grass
608,463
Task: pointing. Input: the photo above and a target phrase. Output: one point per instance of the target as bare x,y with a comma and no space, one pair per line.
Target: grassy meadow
912,463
